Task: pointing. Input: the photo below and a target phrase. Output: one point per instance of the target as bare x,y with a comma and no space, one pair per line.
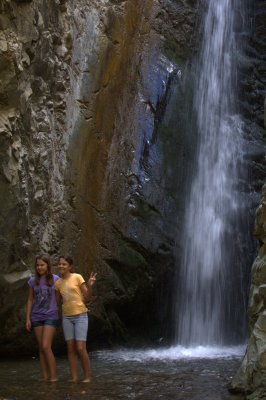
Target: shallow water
174,373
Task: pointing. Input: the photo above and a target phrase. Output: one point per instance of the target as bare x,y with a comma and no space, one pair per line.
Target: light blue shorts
76,327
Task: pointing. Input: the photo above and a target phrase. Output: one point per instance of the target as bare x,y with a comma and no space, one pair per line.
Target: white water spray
212,209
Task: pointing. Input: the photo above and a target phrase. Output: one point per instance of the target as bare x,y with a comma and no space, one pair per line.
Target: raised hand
92,278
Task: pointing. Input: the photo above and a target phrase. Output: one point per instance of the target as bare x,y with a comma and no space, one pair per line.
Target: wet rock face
88,162
252,83
251,375
254,78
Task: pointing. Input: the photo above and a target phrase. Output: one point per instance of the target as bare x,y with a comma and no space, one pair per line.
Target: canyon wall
88,162
251,377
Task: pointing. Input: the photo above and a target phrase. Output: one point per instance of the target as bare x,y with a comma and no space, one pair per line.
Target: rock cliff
251,376
88,162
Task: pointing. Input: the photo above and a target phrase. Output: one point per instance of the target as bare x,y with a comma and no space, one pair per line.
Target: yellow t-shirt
73,301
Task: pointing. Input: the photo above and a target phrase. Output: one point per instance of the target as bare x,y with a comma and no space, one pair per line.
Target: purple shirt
44,303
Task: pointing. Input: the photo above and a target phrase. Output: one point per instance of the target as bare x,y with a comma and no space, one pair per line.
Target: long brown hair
49,276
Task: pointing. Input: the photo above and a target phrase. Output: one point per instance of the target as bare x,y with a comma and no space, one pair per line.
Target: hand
28,325
92,278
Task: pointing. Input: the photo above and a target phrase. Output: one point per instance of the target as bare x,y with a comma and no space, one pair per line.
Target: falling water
207,301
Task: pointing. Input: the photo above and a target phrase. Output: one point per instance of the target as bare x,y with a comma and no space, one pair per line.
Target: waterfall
211,294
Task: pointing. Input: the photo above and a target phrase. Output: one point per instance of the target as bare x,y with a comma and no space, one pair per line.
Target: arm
58,297
85,289
28,309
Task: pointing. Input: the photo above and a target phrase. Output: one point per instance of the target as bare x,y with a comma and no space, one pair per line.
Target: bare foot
53,380
73,380
86,380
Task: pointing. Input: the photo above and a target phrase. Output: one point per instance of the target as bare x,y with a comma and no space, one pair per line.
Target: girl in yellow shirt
71,289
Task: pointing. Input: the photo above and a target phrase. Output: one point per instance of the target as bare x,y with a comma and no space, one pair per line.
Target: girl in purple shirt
42,313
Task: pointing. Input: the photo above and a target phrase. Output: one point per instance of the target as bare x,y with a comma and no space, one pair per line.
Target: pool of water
175,373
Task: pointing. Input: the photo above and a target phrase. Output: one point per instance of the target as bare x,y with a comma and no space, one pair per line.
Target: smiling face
41,267
64,267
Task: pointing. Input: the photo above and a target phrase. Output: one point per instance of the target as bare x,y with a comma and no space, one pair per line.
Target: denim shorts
46,322
76,327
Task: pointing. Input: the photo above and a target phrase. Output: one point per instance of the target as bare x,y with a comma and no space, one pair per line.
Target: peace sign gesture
92,278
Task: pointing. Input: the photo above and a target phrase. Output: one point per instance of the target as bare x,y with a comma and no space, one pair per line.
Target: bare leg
84,358
38,330
72,358
47,339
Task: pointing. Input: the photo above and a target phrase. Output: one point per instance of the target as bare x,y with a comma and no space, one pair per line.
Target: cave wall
88,162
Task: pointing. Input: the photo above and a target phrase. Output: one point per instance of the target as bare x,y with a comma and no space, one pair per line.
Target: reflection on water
175,373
